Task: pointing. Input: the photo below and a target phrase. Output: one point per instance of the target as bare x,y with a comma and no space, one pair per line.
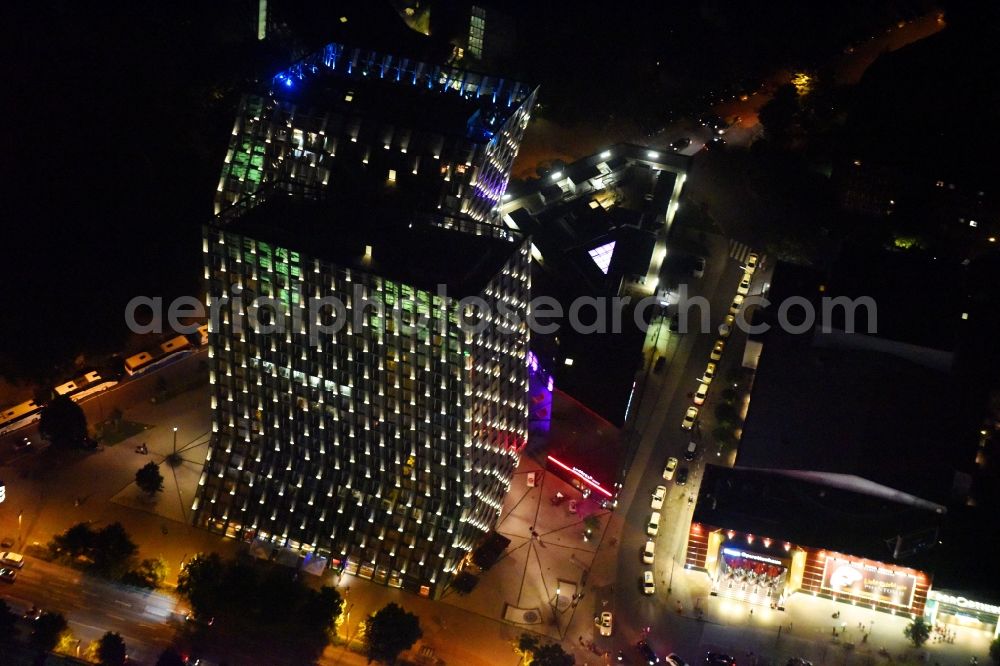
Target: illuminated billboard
869,580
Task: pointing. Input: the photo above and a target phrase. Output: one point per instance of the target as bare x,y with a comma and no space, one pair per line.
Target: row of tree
235,591
107,552
219,588
50,631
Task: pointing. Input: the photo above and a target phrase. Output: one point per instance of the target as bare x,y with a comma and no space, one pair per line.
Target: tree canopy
47,630
111,650
220,588
917,632
8,622
149,479
63,422
170,657
390,631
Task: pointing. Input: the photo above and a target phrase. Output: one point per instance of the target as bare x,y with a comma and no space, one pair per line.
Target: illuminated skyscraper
387,442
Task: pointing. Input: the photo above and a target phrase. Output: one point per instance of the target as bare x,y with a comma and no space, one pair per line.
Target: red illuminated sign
583,476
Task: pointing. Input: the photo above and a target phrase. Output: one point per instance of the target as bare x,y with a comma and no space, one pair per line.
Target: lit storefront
763,570
945,607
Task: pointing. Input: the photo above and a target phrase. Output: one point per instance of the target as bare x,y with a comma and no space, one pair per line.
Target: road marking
117,617
123,603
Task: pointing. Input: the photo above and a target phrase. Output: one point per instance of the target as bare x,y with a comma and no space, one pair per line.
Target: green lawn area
110,436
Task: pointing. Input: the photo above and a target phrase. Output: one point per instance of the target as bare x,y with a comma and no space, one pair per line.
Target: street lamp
175,440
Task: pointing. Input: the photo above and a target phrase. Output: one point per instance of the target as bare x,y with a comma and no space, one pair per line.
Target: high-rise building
363,412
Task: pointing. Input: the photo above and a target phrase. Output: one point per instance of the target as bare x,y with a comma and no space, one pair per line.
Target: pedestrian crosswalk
740,251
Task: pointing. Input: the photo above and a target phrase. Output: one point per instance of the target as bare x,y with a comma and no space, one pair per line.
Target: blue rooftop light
288,82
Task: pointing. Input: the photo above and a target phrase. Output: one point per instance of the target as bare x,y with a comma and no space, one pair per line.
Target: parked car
736,304
604,623
726,327
658,495
691,452
680,144
668,471
717,350
674,660
661,362
698,269
690,416
701,394
709,373
744,287
752,261
648,551
8,575
646,652
654,524
682,476
648,583
11,559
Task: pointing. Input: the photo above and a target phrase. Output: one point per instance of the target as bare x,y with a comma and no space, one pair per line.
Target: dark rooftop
581,438
405,247
402,91
853,405
810,512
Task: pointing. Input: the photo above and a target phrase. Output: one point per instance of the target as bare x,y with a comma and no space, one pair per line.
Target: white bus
84,386
18,416
155,358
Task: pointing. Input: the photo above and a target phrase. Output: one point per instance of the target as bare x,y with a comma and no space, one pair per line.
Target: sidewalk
49,491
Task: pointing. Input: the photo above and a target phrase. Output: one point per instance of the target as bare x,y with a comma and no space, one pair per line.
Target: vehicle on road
200,620
691,452
682,476
648,551
648,583
736,304
668,471
698,269
709,373
719,659
19,416
604,623
690,416
716,354
8,575
701,394
22,445
675,323
33,613
674,660
646,652
751,264
744,287
10,559
654,524
680,144
661,362
658,495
